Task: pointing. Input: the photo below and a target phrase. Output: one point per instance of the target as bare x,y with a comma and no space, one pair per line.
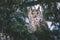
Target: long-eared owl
35,19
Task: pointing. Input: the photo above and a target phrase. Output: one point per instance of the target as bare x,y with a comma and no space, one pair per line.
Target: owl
35,19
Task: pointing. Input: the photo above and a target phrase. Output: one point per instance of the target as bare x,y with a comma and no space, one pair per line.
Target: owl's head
35,12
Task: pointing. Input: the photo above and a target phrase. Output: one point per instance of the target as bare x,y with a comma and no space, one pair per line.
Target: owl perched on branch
36,19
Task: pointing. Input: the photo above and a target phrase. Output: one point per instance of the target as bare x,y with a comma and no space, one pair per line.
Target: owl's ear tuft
38,8
30,8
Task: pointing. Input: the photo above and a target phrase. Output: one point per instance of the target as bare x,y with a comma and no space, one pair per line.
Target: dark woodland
14,14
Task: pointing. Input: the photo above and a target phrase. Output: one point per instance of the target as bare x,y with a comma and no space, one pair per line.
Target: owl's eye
37,13
32,13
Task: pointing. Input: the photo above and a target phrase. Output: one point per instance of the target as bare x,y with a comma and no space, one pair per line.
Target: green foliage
12,22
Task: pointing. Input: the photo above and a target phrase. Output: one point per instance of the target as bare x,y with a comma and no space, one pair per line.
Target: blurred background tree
14,12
